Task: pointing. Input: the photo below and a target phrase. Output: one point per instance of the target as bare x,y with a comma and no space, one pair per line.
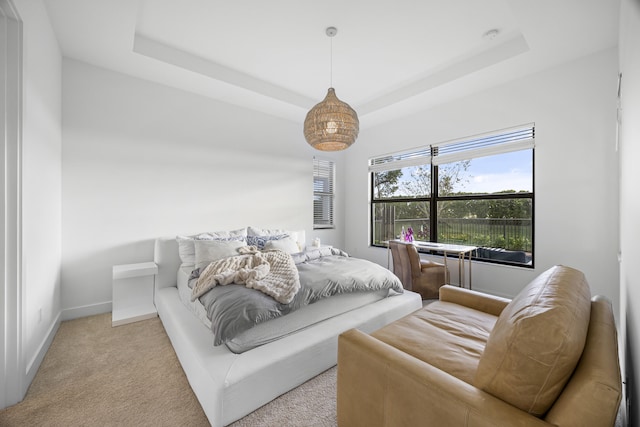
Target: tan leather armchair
422,276
549,357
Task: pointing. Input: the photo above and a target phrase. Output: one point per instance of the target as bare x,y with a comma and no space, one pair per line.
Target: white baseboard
86,310
34,363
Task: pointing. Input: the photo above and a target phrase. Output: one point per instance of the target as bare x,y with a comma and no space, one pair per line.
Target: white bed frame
230,386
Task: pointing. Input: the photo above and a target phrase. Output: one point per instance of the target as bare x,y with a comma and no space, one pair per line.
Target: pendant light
331,125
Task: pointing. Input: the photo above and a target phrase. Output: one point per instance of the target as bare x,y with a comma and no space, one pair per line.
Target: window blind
488,144
323,193
415,157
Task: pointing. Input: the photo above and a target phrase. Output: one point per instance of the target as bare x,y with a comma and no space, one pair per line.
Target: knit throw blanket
271,272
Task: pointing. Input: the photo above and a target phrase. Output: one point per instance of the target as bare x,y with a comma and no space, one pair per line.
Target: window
323,179
475,191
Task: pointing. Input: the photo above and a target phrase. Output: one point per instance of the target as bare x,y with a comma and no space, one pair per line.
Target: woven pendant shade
331,125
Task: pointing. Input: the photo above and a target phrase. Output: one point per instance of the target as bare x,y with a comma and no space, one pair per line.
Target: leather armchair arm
477,300
379,385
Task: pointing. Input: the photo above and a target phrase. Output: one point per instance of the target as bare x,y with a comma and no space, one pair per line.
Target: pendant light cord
331,62
331,32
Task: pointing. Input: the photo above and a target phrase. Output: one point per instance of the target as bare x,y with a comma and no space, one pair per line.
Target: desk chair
422,276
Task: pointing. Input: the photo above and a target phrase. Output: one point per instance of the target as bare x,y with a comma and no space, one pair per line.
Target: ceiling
389,58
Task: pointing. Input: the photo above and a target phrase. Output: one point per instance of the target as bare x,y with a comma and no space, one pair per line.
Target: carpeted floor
313,404
96,375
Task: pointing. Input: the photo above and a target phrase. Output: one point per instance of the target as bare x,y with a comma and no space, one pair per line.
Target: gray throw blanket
271,272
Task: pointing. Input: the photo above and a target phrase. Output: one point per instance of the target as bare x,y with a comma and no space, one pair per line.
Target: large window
473,191
323,177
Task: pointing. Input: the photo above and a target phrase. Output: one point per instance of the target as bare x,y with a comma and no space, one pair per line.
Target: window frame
407,158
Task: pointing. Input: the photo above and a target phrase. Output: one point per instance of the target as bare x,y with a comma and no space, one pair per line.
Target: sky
510,171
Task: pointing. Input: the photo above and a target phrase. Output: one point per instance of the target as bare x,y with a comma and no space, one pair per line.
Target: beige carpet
96,375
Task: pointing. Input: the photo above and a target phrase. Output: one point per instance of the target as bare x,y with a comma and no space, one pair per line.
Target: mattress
283,326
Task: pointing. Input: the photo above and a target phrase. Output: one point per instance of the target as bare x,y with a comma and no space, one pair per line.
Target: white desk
460,250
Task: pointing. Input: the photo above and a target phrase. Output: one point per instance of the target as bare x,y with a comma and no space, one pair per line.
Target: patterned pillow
260,241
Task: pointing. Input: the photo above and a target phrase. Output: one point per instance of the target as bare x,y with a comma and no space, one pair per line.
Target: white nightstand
133,289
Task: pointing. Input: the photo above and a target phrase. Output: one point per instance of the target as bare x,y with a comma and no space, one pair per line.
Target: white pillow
298,236
287,245
241,232
212,250
255,231
186,248
187,251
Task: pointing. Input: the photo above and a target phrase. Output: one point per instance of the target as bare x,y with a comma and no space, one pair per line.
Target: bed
231,384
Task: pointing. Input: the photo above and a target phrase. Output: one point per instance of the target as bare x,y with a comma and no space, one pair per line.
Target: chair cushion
449,336
537,341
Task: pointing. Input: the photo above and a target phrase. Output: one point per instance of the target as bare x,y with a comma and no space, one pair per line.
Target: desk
460,250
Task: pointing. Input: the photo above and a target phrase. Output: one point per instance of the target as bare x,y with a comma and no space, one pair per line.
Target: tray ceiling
390,58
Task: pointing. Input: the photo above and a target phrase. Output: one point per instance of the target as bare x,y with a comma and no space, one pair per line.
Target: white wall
141,160
629,200
41,183
576,191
